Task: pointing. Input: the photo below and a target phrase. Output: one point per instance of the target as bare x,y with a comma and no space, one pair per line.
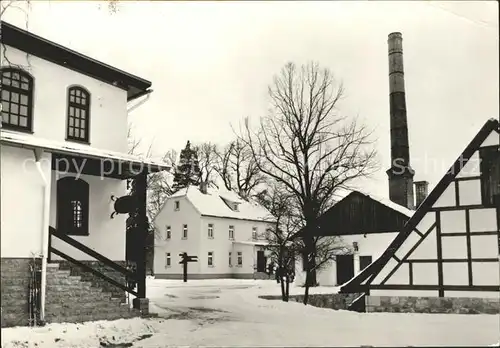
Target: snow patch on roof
388,203
212,204
261,243
30,141
343,193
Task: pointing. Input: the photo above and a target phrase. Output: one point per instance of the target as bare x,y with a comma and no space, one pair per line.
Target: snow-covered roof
388,203
261,242
341,194
212,204
79,150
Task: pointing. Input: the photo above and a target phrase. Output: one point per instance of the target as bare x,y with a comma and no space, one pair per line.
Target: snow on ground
228,312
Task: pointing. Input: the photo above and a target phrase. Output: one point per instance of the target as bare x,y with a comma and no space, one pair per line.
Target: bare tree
25,6
307,147
19,5
207,157
238,170
283,246
160,186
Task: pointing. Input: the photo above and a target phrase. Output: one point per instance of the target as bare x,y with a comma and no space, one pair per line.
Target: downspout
45,231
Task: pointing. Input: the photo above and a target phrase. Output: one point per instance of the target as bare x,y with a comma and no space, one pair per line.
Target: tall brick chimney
400,174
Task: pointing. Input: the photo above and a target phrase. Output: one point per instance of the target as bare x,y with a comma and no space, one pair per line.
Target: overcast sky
211,63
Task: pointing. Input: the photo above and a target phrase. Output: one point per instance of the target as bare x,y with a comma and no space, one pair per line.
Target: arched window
17,99
73,206
78,114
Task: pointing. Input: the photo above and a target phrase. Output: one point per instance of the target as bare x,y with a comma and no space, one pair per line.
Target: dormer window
78,114
234,206
17,100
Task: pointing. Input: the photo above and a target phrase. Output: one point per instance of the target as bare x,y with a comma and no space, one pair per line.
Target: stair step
86,312
57,276
91,317
90,299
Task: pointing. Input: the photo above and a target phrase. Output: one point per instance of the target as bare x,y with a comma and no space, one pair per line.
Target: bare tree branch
207,157
310,150
238,170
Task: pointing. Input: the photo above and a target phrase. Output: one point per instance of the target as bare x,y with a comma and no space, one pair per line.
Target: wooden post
142,222
185,271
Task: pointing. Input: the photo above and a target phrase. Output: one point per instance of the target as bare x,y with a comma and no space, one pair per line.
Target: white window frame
210,259
184,231
231,232
168,260
211,231
240,259
177,205
230,259
168,232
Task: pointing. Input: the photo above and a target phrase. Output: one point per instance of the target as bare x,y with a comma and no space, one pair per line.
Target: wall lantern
355,246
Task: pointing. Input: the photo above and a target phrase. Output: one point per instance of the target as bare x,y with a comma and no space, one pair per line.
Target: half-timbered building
361,226
450,247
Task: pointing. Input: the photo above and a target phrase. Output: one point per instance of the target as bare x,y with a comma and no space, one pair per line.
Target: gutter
147,94
45,231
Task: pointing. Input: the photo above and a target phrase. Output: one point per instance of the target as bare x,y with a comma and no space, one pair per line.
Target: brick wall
458,305
15,279
332,301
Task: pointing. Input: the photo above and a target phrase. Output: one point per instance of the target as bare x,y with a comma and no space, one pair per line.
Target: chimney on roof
203,187
421,190
400,174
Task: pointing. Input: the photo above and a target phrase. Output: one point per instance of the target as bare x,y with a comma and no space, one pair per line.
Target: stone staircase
71,299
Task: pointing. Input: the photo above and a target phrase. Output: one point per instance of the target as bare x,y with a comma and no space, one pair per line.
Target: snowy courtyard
230,313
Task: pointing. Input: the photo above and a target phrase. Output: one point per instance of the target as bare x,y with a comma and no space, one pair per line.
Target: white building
450,248
225,232
364,225
61,165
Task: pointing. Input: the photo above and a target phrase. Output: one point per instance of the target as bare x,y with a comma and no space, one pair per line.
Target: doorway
261,261
345,268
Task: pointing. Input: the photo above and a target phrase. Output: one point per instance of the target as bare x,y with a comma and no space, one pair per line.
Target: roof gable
63,56
213,203
422,229
358,213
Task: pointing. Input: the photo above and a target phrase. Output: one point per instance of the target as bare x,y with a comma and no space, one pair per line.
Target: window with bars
78,114
73,206
17,99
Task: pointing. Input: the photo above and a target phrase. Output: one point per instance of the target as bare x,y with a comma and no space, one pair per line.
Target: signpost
185,258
